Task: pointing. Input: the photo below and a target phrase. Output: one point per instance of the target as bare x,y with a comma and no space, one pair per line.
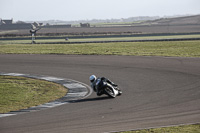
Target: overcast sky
93,9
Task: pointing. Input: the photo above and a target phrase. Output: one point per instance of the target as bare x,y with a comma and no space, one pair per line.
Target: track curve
157,91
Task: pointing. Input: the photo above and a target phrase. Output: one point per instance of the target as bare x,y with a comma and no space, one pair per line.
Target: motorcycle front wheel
110,92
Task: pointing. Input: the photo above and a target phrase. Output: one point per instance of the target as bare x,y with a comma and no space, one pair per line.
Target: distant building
6,21
85,25
57,26
9,25
20,22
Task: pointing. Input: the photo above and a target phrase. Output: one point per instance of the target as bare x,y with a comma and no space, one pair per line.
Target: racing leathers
99,92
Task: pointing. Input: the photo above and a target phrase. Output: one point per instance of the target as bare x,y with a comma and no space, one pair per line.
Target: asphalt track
157,91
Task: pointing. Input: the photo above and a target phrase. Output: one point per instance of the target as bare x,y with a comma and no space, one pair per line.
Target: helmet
92,78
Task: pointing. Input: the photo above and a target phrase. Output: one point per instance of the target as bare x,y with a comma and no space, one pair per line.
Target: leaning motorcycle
107,88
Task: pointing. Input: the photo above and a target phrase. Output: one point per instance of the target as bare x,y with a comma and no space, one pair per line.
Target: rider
93,80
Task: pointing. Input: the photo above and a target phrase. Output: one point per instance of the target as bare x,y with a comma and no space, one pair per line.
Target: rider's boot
99,92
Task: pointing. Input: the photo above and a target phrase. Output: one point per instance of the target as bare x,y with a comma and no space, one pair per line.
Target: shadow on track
92,99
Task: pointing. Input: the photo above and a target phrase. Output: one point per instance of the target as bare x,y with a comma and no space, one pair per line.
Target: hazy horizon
72,10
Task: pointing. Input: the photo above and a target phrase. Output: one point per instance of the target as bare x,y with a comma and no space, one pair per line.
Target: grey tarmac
157,91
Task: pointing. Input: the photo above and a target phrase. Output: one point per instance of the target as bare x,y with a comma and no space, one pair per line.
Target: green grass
177,129
171,48
19,93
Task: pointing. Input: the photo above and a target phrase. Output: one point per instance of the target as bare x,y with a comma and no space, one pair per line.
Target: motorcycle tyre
110,92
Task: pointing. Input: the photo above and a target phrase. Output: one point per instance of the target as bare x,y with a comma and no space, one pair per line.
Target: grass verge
172,48
177,129
19,92
50,39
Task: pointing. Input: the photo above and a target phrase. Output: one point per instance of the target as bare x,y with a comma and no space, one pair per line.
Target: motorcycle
107,89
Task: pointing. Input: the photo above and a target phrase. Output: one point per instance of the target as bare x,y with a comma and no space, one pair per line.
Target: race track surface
157,91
